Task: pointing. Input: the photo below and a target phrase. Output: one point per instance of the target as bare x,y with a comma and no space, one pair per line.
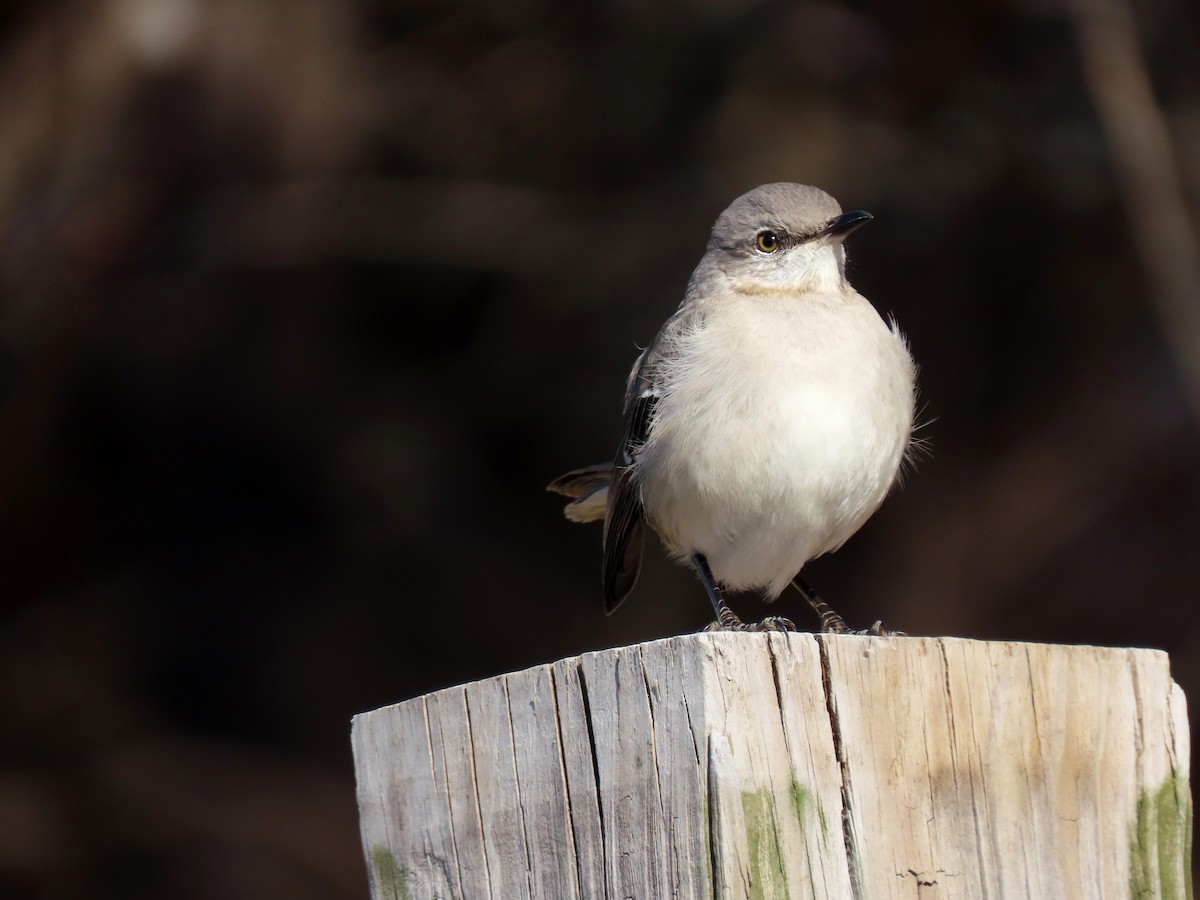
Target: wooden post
767,765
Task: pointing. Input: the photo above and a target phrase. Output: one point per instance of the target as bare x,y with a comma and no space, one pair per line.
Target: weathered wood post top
772,765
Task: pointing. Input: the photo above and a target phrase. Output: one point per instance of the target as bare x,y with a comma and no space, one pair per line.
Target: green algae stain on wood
1160,846
768,878
391,878
802,799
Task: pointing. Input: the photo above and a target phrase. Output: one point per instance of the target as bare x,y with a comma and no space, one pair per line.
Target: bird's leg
727,619
831,622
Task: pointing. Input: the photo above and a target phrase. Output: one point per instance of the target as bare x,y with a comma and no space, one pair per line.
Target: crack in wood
449,792
1139,737
591,737
475,781
839,750
977,795
781,853
787,740
687,712
713,803
439,861
926,880
512,743
652,699
562,762
1037,731
653,734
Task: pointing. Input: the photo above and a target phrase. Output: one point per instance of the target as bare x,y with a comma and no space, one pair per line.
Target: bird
766,421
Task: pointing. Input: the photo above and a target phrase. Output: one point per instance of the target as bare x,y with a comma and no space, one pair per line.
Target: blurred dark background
304,302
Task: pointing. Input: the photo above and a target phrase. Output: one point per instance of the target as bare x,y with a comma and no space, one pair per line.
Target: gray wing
624,517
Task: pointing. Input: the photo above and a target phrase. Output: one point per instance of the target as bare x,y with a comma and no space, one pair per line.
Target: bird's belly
785,470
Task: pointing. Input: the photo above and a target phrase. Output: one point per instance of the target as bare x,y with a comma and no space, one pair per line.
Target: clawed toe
836,625
878,629
770,623
831,622
881,630
776,623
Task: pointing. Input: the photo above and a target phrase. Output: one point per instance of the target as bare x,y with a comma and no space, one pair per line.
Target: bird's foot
876,630
775,623
832,623
881,630
727,620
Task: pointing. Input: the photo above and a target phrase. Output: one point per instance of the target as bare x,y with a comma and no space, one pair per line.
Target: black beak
841,226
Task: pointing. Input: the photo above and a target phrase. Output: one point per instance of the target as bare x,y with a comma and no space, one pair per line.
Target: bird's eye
767,241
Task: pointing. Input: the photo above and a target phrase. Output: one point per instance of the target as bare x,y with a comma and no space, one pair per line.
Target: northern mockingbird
766,421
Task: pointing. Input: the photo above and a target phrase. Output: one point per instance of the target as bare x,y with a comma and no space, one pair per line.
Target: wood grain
771,766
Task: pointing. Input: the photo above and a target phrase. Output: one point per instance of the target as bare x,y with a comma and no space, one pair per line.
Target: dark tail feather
588,490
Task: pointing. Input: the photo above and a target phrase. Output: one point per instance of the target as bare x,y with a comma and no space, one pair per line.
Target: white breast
780,429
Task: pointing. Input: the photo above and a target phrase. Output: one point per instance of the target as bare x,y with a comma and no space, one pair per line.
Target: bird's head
784,237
